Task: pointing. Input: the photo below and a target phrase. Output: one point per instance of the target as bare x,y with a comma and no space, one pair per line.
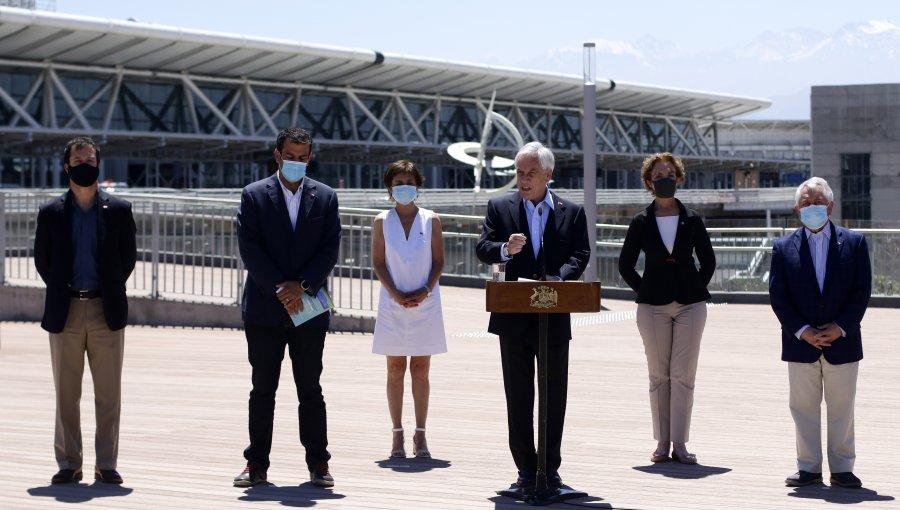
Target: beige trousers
86,332
808,382
671,335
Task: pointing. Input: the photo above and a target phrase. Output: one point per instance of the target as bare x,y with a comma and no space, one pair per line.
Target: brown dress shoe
250,476
320,476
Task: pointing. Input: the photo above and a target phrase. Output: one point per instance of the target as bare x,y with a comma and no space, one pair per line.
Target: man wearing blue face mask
819,285
289,233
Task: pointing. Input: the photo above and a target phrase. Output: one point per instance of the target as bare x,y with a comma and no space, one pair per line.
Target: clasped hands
410,299
289,293
821,336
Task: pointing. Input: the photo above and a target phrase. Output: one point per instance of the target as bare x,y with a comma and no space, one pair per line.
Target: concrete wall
859,119
27,304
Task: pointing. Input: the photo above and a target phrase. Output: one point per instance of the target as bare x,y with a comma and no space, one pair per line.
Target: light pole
589,148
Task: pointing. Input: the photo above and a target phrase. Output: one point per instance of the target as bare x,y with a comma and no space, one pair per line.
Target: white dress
417,331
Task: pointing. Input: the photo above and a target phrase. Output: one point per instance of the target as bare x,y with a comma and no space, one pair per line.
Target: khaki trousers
671,335
808,382
86,332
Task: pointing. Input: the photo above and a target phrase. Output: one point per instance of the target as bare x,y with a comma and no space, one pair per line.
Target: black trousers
519,359
265,350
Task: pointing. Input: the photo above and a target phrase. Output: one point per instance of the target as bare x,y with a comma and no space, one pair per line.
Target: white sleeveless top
402,331
668,227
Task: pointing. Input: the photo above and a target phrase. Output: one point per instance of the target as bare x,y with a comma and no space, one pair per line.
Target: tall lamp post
589,149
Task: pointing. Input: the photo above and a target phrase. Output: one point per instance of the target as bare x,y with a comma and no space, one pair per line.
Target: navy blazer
566,249
797,301
273,252
53,257
668,277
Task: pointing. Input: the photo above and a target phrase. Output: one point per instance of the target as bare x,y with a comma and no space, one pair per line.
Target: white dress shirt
292,200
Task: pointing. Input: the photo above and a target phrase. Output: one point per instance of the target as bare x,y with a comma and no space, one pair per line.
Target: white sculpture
473,153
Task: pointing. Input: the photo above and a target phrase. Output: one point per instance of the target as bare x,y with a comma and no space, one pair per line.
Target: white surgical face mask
404,194
292,171
814,216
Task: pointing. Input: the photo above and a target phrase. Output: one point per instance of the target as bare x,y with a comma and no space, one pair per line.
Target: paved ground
184,422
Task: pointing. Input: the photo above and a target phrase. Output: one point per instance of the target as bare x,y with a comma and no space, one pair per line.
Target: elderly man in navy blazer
819,285
289,233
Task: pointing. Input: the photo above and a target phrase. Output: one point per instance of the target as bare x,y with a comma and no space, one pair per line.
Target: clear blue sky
494,32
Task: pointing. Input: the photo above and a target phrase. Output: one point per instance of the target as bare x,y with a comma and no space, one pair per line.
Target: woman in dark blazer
671,297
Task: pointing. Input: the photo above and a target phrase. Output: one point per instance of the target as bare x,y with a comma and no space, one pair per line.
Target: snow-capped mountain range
780,66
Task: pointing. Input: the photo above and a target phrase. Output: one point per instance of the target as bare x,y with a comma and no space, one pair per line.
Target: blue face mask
292,171
404,194
814,216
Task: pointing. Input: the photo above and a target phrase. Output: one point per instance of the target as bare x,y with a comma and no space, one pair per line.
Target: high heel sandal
660,455
685,457
398,453
423,452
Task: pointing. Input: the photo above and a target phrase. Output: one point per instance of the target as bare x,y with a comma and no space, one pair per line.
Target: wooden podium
542,298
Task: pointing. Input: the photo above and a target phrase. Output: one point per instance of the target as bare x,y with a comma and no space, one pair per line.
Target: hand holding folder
313,306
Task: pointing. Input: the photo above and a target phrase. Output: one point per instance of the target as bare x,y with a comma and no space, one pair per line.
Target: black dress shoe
66,476
803,478
108,476
846,479
250,476
553,480
526,479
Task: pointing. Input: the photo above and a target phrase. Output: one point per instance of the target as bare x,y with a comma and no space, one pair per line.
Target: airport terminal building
183,108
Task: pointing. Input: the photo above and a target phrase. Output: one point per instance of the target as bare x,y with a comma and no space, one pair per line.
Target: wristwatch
304,286
428,295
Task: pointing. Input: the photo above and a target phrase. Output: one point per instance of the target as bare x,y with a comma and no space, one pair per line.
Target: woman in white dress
408,257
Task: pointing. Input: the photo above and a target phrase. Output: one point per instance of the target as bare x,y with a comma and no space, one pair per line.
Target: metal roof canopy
70,39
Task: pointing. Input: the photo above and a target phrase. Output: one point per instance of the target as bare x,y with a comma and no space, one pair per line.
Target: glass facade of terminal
159,130
856,187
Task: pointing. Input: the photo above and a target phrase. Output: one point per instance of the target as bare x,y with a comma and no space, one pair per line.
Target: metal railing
187,250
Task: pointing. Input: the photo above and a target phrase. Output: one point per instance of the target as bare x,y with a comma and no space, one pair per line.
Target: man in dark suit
289,233
84,250
561,255
819,284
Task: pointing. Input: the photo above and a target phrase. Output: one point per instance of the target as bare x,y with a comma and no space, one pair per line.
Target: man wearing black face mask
84,250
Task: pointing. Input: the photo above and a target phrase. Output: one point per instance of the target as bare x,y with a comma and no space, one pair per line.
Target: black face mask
664,188
84,174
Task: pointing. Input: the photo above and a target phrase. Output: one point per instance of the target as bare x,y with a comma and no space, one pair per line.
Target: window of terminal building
856,178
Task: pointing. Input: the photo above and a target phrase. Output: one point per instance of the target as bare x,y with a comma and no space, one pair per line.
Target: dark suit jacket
797,301
566,249
273,253
53,257
668,278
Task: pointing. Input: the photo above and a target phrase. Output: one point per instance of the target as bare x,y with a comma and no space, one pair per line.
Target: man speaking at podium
540,236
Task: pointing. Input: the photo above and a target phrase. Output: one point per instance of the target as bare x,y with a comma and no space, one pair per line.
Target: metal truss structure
215,125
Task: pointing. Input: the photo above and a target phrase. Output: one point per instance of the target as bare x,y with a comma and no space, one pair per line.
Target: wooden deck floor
185,412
